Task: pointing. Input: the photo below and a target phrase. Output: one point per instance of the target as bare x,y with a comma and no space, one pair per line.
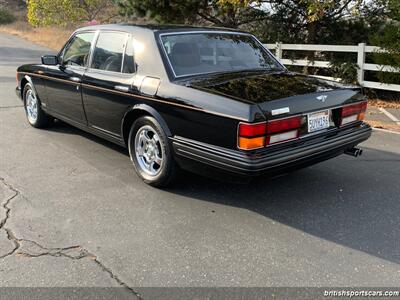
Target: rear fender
144,109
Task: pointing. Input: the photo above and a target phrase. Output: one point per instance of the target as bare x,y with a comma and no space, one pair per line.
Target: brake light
251,136
250,130
283,130
353,113
259,135
283,124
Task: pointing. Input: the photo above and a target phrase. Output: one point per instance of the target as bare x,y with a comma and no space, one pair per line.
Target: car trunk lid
278,93
295,106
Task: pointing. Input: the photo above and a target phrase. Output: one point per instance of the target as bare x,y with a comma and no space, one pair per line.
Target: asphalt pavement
74,214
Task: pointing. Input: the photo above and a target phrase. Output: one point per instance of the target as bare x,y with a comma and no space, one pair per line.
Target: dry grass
384,103
383,125
50,37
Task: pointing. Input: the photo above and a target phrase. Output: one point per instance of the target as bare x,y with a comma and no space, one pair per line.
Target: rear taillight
251,136
283,130
251,130
259,135
353,113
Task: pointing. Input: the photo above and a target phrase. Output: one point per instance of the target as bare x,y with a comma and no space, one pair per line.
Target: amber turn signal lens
251,143
361,116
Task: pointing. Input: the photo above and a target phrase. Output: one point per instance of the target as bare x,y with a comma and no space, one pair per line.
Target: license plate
318,121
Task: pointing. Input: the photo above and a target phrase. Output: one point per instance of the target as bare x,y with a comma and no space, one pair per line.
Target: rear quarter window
109,51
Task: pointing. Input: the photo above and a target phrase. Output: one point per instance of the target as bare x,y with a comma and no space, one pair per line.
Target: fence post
278,50
360,63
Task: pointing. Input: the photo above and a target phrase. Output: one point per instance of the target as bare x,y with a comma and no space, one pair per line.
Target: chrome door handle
75,79
121,88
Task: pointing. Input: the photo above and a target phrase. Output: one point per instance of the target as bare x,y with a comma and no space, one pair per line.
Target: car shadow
350,201
64,128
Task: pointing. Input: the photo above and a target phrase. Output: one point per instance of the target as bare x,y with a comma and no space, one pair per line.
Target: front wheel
34,113
151,153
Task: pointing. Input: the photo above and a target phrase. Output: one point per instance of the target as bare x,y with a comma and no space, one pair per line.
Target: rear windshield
201,53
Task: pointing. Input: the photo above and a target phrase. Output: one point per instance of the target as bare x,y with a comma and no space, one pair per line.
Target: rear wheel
151,153
34,113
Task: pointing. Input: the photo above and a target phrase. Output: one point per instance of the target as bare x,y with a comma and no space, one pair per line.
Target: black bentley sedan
200,99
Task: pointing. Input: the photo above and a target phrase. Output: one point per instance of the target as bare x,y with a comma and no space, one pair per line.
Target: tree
5,16
309,21
225,13
49,12
64,12
389,39
302,16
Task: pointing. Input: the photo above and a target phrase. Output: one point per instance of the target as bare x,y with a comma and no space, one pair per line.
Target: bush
389,39
5,16
52,12
66,12
345,70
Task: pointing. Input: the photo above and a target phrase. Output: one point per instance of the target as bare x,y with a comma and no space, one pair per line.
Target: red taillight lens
251,130
283,125
353,113
354,109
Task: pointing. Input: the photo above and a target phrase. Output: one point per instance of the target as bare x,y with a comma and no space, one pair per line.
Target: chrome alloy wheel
31,106
148,150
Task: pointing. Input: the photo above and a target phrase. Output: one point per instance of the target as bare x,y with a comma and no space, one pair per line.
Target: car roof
130,27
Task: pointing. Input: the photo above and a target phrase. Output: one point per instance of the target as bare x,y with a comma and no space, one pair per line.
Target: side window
109,51
77,51
129,63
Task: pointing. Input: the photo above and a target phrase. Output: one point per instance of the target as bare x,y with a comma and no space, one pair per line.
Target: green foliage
51,12
345,70
389,39
294,21
64,12
5,16
319,22
226,13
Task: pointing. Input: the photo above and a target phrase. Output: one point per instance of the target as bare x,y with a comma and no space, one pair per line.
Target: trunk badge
322,98
280,111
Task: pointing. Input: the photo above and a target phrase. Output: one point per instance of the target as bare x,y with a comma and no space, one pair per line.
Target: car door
63,82
107,82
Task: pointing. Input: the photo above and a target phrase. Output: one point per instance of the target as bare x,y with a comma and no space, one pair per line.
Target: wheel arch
27,79
24,81
138,111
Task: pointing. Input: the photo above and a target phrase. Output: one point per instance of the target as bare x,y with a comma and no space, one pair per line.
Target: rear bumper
278,161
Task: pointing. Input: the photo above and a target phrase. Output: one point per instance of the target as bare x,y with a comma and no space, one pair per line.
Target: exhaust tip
355,152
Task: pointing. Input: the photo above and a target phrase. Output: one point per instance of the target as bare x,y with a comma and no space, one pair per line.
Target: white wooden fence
361,50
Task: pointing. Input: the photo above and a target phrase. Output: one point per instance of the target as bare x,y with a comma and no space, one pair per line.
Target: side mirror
50,60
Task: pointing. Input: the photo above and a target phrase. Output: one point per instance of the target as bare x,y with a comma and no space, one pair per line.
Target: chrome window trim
92,48
210,31
128,37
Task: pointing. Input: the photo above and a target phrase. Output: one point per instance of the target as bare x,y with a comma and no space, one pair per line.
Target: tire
151,153
34,113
